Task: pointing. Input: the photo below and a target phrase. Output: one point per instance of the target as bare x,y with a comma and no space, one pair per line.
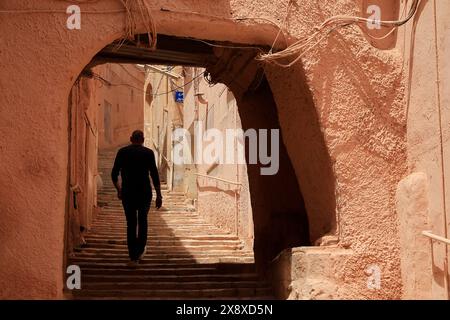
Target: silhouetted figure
135,162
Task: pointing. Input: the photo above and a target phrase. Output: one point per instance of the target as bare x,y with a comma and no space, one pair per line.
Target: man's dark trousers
136,212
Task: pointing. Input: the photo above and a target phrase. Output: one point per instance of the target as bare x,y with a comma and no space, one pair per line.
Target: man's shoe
143,253
132,263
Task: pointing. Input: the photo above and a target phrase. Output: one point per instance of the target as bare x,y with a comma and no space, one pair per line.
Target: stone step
160,227
121,227
105,249
187,257
196,278
108,216
168,268
112,195
166,260
169,261
168,242
167,233
168,201
162,255
175,233
157,238
182,258
170,285
178,234
166,206
122,245
121,231
223,293
154,221
111,191
153,210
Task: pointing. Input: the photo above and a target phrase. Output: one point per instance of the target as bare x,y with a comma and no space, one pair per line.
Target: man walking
135,162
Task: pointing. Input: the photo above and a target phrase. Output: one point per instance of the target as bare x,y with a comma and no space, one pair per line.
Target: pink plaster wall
86,104
225,205
425,55
217,204
125,97
357,92
83,160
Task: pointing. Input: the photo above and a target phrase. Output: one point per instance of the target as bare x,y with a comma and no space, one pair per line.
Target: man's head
137,137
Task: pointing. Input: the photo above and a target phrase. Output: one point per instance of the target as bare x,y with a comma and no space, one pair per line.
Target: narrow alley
302,149
186,257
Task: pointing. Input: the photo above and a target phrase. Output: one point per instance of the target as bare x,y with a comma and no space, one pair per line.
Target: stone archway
280,208
58,71
336,108
280,215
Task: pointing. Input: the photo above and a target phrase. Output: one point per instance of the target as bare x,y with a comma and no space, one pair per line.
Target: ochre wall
226,205
427,71
356,92
355,132
121,88
125,97
83,161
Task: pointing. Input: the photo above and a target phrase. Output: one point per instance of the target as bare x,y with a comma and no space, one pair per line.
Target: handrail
436,237
432,237
154,144
163,156
220,179
167,160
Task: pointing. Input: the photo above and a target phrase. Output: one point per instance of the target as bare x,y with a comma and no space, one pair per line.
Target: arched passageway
282,100
280,215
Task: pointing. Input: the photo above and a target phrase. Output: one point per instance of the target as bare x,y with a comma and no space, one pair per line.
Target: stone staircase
186,258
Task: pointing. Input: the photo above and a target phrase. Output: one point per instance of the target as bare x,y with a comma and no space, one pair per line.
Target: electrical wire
151,27
297,48
390,32
98,77
182,86
130,74
227,46
284,25
108,83
25,11
301,46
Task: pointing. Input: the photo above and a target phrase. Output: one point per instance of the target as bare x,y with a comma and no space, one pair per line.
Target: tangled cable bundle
133,7
293,52
302,46
140,6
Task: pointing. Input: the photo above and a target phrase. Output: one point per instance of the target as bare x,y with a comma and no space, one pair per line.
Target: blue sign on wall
179,96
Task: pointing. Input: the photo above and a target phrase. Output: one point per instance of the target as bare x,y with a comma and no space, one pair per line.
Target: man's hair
137,136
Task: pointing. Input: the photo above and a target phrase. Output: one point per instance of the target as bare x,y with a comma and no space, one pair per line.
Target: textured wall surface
412,208
83,160
355,133
357,128
124,96
224,205
426,44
